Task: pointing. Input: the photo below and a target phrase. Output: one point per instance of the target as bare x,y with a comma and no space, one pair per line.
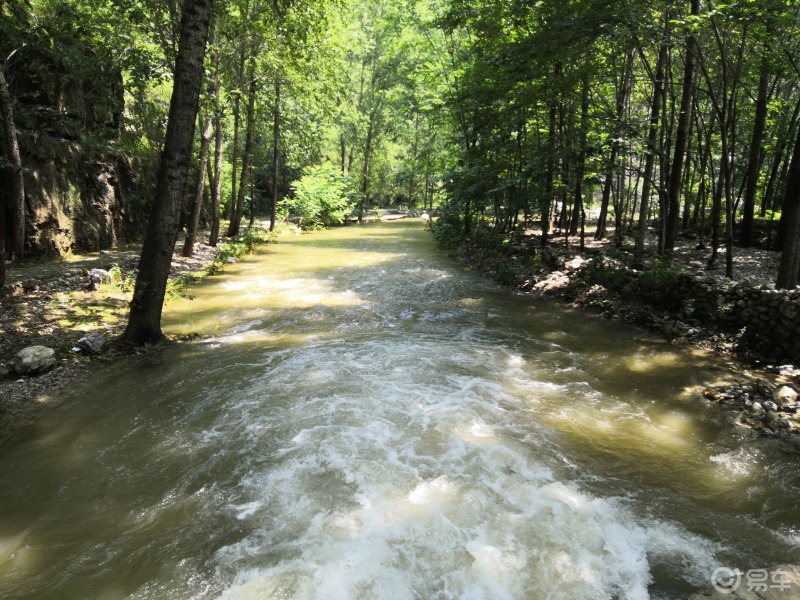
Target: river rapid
362,418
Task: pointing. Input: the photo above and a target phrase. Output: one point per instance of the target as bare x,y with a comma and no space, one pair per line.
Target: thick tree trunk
672,216
790,256
276,148
144,321
197,205
17,204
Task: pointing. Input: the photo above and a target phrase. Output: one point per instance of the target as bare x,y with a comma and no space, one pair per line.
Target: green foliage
245,243
659,285
448,229
321,197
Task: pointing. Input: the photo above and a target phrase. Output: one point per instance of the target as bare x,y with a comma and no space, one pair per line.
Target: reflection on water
362,418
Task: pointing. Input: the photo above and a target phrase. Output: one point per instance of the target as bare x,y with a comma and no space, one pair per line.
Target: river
360,417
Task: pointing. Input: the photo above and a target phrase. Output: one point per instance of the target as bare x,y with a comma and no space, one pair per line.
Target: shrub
322,197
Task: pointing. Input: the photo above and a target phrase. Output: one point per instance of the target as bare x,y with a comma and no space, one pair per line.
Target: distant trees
669,118
688,107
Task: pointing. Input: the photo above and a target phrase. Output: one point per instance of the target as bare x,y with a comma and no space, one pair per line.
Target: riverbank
56,303
762,393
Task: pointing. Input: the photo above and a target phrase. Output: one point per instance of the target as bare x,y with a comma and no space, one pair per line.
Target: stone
771,406
789,310
765,388
575,264
34,360
92,343
231,260
99,276
784,395
757,408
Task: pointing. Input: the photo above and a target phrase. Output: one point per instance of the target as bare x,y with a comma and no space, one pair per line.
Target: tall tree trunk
580,169
784,134
622,97
672,216
276,147
216,186
247,155
652,150
144,321
17,203
549,200
367,159
197,205
789,266
237,119
754,157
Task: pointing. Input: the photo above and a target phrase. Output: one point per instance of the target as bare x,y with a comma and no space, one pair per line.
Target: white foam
414,486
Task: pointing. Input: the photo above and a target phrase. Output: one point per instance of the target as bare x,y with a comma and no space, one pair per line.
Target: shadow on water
337,370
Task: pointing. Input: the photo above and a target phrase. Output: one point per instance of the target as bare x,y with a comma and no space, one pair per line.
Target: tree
789,267
682,136
17,203
144,321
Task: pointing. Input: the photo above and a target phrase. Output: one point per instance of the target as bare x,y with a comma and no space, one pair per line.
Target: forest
676,117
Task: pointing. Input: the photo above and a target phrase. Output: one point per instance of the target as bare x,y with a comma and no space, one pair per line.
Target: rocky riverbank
69,310
683,301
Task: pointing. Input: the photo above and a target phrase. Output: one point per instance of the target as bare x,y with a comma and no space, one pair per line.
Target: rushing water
360,417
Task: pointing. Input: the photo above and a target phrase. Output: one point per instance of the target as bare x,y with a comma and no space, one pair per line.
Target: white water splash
417,487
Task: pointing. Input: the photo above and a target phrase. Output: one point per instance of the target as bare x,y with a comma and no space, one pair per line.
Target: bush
322,197
659,285
448,229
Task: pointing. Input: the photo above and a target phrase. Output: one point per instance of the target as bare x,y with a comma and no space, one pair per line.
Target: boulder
92,343
784,395
34,360
99,276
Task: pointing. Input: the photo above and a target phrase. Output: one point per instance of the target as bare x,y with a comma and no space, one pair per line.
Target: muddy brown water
361,417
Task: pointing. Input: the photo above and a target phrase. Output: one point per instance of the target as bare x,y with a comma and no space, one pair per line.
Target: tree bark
672,216
754,158
237,118
247,155
652,150
216,186
622,97
790,256
580,169
17,203
144,320
276,147
197,205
